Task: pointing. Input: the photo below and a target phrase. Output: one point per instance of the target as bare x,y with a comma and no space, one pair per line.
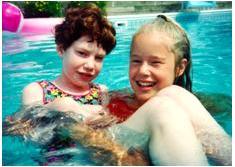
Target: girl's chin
82,79
81,84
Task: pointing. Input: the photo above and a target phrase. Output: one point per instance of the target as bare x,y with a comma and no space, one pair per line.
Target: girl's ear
60,50
181,67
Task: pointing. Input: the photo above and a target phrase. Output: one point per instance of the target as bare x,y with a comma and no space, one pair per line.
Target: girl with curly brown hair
82,41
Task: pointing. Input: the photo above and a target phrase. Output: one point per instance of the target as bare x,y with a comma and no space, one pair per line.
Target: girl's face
152,64
82,61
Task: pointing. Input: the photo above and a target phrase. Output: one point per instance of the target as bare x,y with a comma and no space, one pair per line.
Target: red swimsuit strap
120,109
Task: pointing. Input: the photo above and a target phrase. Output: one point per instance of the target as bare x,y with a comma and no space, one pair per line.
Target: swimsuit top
51,92
118,106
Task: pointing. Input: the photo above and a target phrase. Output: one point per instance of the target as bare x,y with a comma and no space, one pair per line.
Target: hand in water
101,119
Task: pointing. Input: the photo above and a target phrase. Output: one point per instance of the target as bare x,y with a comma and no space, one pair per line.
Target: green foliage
224,4
40,8
34,9
101,4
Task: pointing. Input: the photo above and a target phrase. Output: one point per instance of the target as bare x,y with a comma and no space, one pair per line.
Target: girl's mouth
146,84
86,76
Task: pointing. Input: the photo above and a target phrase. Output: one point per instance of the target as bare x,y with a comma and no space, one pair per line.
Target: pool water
32,58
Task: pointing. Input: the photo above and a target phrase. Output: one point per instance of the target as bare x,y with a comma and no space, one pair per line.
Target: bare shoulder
32,93
182,96
175,90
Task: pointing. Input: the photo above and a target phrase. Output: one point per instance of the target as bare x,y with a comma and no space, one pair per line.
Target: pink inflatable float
13,21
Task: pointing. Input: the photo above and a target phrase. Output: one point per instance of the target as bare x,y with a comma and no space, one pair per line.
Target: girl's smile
146,85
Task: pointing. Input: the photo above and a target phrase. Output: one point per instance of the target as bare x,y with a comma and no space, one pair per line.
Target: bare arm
32,94
68,104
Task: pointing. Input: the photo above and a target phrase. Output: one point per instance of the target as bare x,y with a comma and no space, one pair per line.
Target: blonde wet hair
181,44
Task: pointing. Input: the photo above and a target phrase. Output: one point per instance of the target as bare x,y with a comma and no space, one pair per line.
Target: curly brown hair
85,21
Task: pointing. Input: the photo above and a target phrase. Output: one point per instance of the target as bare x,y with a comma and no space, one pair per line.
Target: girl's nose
144,69
89,65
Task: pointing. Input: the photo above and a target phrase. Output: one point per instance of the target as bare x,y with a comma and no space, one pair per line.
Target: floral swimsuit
51,92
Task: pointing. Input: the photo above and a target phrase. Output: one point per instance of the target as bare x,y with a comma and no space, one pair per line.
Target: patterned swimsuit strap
51,92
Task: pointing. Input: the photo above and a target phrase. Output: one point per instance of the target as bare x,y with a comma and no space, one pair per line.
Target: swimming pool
32,58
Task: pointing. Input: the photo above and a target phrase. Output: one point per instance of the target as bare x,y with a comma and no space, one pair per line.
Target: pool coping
168,14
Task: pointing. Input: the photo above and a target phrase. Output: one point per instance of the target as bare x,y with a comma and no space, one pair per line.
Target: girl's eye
136,61
99,58
155,62
81,53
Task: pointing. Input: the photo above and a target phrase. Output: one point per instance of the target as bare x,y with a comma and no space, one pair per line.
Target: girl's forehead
160,35
85,43
153,41
149,47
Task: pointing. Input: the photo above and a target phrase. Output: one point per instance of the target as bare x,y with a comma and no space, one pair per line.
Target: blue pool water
33,58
